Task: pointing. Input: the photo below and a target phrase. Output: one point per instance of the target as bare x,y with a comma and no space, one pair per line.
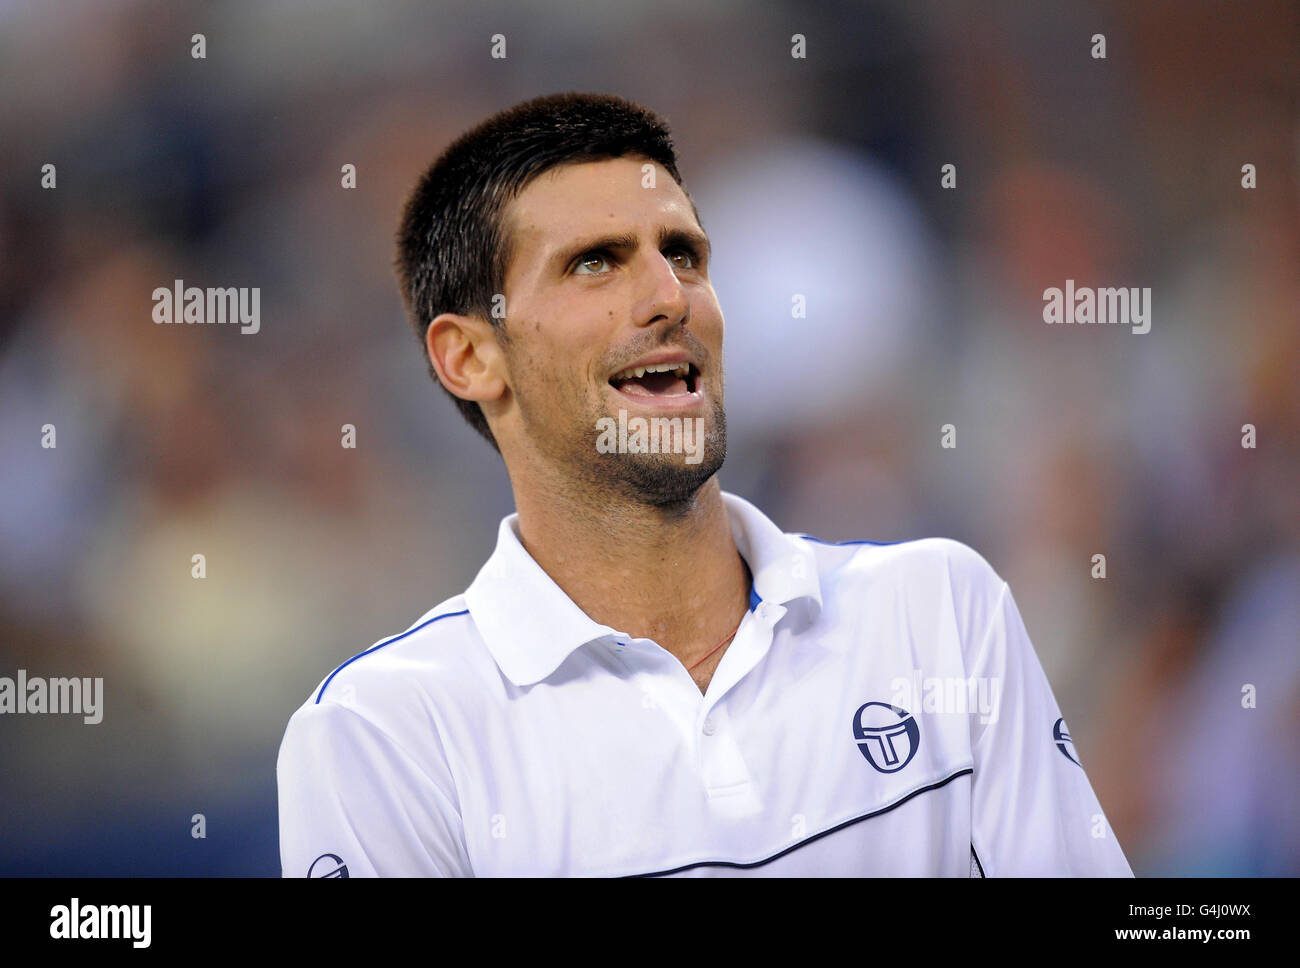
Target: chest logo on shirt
886,735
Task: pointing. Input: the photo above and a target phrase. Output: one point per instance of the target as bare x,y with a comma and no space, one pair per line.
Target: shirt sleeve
1033,811
355,804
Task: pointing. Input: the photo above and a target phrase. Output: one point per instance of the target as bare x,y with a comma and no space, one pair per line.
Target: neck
671,574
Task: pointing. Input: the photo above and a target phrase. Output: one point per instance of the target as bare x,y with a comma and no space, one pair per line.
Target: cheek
550,372
555,357
712,310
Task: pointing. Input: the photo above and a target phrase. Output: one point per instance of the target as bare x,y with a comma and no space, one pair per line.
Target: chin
664,482
659,479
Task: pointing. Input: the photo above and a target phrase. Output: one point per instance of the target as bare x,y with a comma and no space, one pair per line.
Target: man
648,676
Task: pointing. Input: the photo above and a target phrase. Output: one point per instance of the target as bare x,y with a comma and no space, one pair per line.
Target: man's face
606,275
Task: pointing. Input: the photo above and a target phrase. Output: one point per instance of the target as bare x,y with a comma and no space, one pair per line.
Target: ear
467,357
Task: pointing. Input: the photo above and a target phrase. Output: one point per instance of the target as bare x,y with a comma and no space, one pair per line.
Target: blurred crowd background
819,176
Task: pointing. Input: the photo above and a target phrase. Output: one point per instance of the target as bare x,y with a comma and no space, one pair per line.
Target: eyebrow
667,237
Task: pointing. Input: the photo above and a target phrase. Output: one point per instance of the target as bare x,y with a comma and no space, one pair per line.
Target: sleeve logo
328,865
1064,743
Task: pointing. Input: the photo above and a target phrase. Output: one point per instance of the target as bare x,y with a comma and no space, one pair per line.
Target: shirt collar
530,626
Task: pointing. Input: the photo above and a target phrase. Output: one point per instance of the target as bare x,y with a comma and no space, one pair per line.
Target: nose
665,297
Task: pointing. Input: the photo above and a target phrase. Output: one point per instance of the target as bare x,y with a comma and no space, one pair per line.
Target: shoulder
928,580
394,678
372,727
925,560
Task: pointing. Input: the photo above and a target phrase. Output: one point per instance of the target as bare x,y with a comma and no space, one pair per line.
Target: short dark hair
452,249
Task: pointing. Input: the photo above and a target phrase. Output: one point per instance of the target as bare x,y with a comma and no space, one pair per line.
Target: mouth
669,382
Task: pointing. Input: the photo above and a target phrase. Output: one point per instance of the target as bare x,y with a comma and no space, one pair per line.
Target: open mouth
659,380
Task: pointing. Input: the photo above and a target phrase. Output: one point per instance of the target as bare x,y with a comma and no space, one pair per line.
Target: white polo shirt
880,712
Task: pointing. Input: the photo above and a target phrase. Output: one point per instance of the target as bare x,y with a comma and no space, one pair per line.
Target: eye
682,251
586,259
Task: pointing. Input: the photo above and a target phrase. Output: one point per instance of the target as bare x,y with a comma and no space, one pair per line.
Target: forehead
574,200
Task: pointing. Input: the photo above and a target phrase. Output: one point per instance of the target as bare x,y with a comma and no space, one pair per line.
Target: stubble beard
664,480
655,480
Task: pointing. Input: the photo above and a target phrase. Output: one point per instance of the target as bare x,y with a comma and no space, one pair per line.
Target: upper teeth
634,372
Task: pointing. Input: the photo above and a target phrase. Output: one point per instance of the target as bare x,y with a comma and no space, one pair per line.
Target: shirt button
709,728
